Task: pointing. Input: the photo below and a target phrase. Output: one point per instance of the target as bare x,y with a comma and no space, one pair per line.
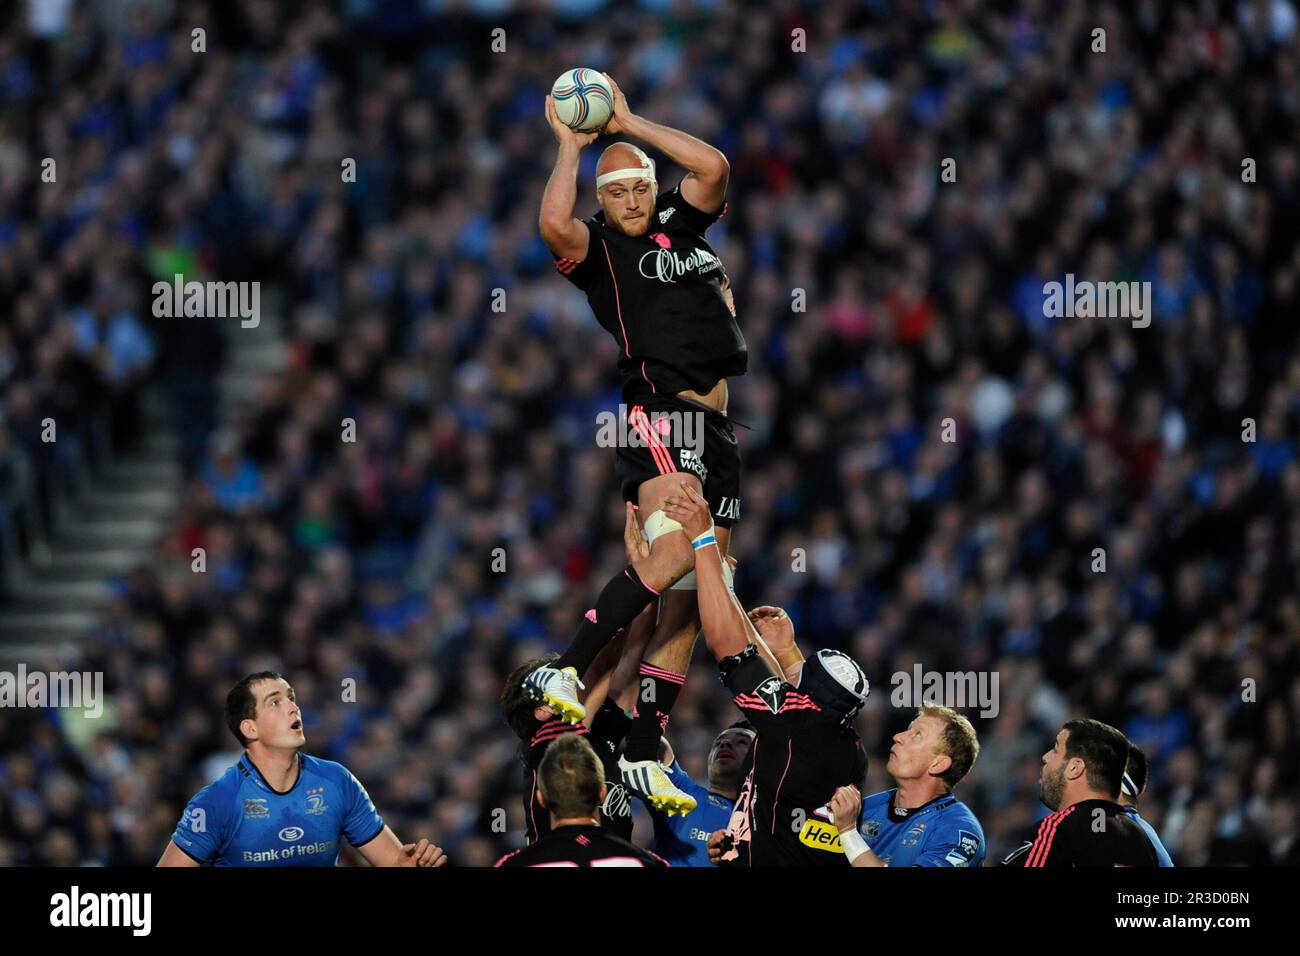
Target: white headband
645,171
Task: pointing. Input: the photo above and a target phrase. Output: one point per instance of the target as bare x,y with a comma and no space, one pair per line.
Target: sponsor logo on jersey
255,808
667,265
292,834
872,829
769,691
691,462
963,853
316,801
728,508
821,835
616,804
663,216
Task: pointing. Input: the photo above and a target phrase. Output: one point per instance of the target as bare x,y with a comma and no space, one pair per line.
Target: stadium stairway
110,521
102,526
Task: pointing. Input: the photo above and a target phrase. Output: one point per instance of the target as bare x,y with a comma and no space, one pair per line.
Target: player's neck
724,788
917,793
1070,799
278,767
557,822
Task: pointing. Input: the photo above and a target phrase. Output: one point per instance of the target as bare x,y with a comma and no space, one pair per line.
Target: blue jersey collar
899,815
249,769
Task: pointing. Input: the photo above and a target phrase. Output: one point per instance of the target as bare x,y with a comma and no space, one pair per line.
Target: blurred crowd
372,564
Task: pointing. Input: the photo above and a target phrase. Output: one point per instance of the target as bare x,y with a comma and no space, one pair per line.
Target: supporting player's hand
638,548
690,510
562,132
617,123
423,853
716,845
774,627
845,806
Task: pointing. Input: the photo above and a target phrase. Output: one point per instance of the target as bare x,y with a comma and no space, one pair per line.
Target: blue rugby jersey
942,832
681,840
1161,853
239,820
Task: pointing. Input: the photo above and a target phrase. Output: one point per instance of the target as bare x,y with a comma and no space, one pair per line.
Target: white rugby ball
584,100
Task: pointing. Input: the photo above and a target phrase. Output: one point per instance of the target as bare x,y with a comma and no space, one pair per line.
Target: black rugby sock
654,702
622,599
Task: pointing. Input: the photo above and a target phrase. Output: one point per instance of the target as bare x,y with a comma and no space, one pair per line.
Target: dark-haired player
682,840
806,746
657,286
1133,786
571,786
278,806
541,701
1080,782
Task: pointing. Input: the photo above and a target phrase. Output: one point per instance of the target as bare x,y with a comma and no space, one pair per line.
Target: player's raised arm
566,236
705,184
726,628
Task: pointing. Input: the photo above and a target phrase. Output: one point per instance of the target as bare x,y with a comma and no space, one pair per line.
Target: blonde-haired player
919,822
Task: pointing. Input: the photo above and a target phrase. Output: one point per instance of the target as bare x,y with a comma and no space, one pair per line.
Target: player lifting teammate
657,286
541,701
803,711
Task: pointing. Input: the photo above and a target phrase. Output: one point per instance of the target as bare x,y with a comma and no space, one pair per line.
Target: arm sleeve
363,822
1047,850
759,693
203,827
697,220
954,846
581,273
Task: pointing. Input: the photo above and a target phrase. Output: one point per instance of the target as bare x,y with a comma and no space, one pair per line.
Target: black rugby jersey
661,296
1080,836
581,845
800,757
606,734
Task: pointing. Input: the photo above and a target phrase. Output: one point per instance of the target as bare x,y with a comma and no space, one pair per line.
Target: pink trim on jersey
1046,833
776,799
617,304
532,802
649,670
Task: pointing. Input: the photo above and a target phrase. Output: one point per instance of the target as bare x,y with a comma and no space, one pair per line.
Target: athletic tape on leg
658,525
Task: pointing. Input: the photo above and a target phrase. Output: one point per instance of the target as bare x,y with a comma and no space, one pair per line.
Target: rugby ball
584,100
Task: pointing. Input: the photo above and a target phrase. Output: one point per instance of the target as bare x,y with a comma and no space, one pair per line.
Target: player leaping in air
658,287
